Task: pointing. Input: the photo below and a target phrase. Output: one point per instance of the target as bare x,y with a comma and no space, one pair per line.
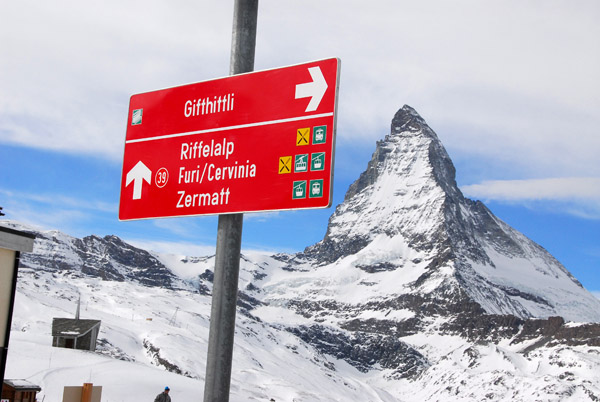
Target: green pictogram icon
317,161
136,117
299,190
316,188
301,163
319,135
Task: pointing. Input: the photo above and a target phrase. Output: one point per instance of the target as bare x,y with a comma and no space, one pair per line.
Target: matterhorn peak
407,119
406,210
402,192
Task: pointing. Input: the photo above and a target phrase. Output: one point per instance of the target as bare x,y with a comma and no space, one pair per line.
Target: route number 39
161,178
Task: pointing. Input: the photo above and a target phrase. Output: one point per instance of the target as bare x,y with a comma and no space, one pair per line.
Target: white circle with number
161,178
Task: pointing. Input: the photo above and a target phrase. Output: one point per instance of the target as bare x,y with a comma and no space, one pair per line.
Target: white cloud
508,82
190,249
57,201
579,196
51,211
176,248
583,188
187,228
69,68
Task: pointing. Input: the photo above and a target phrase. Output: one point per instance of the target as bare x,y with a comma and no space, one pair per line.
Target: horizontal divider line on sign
211,130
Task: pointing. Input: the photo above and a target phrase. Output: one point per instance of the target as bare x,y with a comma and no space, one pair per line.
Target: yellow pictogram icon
285,164
303,136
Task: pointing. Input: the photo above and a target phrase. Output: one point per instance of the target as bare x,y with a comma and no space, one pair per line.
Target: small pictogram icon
303,136
317,161
136,117
285,164
299,190
301,163
316,188
319,135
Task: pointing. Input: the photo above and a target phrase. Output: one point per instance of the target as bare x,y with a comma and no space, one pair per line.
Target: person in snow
163,396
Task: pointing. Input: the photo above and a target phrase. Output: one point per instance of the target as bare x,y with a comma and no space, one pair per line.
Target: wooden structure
19,391
12,244
88,393
75,333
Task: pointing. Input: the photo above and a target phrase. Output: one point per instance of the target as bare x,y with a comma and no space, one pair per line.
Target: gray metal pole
222,317
243,40
229,235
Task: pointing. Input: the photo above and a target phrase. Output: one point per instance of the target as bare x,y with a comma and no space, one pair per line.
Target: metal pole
243,40
229,235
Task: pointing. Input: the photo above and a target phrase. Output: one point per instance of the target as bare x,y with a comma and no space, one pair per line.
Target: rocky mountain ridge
108,258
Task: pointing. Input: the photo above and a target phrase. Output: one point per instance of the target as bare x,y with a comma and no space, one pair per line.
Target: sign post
229,235
244,143
250,142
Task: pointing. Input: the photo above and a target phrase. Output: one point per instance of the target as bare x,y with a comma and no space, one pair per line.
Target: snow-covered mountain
415,293
405,215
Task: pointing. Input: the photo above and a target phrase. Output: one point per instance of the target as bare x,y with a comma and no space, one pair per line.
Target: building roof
12,239
72,328
22,385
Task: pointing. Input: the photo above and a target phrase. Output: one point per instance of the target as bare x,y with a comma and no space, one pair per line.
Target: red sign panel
261,141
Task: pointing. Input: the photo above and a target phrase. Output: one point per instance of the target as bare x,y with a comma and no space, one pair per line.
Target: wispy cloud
191,249
172,247
52,211
58,201
578,196
261,216
570,188
186,228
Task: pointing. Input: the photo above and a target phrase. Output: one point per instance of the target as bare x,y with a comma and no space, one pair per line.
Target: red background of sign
265,96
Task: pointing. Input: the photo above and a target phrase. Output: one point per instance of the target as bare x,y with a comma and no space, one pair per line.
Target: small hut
19,391
75,333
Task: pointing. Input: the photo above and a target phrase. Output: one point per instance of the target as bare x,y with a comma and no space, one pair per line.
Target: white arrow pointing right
314,90
138,174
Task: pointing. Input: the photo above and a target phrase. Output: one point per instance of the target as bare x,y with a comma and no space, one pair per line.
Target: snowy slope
270,362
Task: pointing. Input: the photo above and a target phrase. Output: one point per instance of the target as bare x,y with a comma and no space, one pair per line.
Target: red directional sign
261,141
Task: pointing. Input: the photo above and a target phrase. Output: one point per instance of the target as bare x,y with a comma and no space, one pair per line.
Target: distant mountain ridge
108,258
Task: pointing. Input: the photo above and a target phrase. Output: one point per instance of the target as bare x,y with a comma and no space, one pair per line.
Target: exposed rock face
108,258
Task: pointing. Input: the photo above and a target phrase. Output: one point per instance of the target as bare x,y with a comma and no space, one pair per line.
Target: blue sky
510,87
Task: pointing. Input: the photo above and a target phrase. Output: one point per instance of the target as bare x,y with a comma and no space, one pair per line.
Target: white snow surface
269,362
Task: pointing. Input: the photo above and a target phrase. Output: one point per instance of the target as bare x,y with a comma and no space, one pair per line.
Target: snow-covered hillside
146,330
414,294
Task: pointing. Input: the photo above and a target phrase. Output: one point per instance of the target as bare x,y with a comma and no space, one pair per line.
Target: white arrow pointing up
139,173
314,90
